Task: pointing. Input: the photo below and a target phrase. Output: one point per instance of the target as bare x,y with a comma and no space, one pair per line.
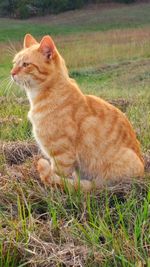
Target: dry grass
94,49
98,48
18,152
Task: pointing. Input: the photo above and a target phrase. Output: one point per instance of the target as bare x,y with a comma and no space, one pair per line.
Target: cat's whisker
10,51
8,87
23,83
12,46
4,82
15,95
8,91
26,84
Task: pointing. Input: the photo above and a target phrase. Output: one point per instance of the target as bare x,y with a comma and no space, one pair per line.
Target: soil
18,152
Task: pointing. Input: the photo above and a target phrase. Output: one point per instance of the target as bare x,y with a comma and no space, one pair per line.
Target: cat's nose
14,71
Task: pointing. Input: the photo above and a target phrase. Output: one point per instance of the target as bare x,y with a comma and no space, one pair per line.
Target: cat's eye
25,64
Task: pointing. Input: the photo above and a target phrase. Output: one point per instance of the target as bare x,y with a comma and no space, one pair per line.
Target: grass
107,52
109,229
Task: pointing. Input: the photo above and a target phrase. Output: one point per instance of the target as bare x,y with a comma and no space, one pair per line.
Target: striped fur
74,131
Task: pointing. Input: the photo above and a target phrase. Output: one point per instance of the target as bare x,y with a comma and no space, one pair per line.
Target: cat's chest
42,123
43,129
51,128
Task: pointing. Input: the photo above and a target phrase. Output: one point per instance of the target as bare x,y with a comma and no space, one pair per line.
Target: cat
80,135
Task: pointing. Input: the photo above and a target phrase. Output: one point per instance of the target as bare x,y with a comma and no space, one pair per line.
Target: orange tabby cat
74,131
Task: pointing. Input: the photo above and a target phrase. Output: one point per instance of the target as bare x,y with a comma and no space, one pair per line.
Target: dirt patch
23,171
120,103
18,152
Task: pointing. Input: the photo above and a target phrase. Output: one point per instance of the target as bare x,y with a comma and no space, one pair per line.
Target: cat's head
36,62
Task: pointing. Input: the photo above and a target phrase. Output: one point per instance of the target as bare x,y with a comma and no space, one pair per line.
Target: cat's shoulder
98,102
98,105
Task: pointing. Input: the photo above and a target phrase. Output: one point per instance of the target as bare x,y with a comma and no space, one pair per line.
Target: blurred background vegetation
26,8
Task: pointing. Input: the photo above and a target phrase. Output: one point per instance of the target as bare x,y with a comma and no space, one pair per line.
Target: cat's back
109,115
113,127
99,106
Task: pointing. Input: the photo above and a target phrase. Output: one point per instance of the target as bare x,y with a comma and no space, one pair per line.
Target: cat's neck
53,90
32,94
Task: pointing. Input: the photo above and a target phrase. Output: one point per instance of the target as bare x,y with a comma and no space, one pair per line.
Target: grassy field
107,51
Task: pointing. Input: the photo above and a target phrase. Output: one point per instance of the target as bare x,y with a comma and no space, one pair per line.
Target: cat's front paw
45,171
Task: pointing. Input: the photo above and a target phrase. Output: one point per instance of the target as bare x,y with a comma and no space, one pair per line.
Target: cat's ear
47,47
29,40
